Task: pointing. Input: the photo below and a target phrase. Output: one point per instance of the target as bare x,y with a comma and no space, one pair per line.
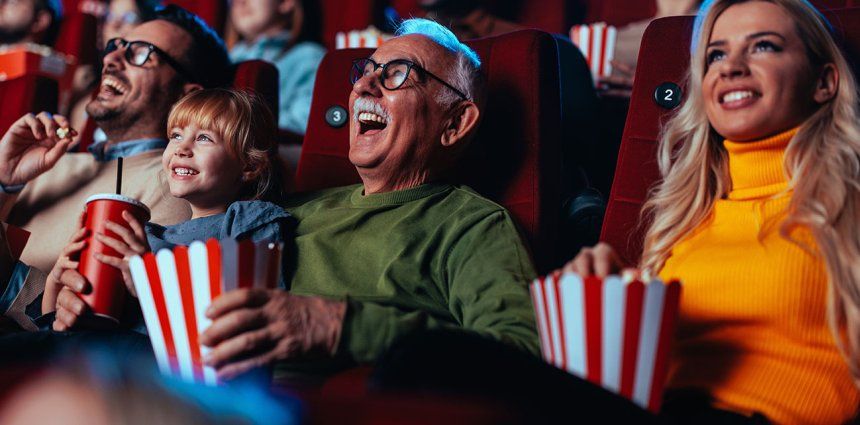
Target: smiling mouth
736,97
370,123
111,86
184,172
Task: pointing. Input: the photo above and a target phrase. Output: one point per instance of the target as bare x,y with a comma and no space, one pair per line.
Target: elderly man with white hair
404,251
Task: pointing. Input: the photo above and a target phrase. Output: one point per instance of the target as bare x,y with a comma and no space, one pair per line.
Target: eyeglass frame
409,65
152,48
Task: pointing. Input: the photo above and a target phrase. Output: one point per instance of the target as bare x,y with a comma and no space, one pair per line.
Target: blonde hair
245,124
825,199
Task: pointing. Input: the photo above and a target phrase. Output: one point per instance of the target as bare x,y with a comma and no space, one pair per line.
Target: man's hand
68,261
255,327
31,146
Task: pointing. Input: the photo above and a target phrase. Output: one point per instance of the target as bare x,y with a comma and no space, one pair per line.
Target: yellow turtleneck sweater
753,330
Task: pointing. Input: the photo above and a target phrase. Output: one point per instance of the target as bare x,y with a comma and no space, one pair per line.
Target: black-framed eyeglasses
394,73
138,52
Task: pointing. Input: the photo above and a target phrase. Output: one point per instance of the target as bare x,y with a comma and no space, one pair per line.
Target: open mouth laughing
371,117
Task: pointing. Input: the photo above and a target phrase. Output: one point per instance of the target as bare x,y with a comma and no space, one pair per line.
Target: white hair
466,72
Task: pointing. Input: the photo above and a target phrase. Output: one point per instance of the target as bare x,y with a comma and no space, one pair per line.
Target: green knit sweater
434,256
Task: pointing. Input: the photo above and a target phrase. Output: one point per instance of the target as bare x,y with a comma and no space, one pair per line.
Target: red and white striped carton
616,333
597,44
368,37
176,287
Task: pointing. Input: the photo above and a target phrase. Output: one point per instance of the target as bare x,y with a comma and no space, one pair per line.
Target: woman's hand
132,242
600,261
68,260
31,146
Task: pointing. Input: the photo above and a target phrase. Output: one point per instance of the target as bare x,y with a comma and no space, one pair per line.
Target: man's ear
41,23
827,85
463,119
190,87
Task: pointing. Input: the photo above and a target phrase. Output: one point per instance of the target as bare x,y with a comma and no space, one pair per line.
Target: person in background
467,19
124,15
620,83
279,31
30,21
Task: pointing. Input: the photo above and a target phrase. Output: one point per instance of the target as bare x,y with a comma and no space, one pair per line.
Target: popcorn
63,132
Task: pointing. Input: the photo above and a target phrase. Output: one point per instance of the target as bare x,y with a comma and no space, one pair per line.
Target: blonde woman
758,214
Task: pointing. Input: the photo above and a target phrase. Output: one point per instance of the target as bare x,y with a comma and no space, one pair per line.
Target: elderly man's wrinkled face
141,96
394,133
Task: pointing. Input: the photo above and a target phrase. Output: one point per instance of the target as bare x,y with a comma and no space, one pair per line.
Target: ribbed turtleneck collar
757,167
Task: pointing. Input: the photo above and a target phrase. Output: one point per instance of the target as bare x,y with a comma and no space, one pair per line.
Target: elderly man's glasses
138,52
394,73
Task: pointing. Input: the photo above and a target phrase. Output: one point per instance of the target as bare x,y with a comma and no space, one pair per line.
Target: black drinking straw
119,176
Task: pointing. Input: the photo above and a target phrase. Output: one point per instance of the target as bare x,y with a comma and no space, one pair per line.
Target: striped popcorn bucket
614,332
597,44
176,287
359,39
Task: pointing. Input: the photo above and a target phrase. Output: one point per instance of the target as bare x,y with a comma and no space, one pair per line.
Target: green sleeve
487,271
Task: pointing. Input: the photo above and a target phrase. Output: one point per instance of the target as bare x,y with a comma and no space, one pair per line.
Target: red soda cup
108,292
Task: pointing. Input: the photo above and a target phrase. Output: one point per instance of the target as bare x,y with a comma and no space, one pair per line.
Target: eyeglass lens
394,73
136,53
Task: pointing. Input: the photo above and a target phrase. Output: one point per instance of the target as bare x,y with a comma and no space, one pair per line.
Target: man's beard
108,118
100,113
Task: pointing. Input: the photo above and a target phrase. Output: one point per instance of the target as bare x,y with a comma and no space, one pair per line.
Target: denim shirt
124,149
297,69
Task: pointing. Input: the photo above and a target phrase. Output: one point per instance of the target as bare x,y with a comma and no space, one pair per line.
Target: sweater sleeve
487,270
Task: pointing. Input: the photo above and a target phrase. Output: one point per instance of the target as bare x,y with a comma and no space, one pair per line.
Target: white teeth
369,116
364,109
114,84
184,171
735,96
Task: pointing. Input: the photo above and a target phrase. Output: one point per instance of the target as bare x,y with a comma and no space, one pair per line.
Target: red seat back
636,169
261,77
77,37
28,93
515,158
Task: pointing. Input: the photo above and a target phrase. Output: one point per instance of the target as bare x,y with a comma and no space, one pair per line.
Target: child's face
200,169
252,18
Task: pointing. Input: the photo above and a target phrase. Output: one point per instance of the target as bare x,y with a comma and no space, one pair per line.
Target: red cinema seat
29,93
261,77
213,12
77,37
636,170
515,158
